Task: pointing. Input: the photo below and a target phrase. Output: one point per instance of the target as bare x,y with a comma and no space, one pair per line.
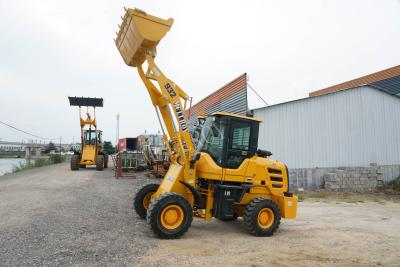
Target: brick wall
355,179
342,178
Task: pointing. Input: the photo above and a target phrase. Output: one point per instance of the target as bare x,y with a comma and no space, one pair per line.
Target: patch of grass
395,184
379,196
54,159
319,194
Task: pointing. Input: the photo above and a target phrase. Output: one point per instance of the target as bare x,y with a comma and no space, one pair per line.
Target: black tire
159,205
75,162
105,161
251,217
140,198
99,162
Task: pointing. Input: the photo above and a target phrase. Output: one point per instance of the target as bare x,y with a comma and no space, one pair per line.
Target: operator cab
89,137
229,138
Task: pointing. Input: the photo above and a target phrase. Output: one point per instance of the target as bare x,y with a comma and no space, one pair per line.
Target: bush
57,158
54,159
395,184
39,163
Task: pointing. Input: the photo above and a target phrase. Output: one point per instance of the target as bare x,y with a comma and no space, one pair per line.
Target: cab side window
239,143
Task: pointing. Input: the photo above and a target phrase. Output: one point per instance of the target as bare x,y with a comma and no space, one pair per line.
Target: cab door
238,149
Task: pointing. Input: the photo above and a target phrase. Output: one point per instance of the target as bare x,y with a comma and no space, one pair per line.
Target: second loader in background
91,151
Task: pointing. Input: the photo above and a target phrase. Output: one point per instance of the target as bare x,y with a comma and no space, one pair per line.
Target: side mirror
263,153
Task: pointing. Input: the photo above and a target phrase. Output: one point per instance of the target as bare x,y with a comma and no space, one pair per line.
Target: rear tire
99,162
142,199
262,217
170,216
105,161
75,162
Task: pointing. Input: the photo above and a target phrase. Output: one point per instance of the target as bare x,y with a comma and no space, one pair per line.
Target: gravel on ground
53,216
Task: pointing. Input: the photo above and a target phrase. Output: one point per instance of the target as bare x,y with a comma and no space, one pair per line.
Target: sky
51,49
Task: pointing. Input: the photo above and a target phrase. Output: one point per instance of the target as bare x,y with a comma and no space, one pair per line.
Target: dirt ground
52,216
324,234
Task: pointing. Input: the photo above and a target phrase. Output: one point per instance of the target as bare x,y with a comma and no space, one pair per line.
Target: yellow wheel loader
91,152
225,176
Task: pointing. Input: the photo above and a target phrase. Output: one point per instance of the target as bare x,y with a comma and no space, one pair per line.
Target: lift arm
137,39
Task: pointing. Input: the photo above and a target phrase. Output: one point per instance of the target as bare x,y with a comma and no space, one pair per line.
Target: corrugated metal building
231,97
386,80
352,127
354,123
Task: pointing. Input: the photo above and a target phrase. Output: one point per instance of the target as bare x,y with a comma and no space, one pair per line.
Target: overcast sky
53,49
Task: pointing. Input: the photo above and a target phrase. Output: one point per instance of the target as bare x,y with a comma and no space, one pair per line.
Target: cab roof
234,115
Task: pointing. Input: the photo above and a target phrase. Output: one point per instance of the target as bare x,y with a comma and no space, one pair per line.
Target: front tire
75,159
99,162
170,216
262,217
142,199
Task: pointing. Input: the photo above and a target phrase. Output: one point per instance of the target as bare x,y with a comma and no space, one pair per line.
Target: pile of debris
139,154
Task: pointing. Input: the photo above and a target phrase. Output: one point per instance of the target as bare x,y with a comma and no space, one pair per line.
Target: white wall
349,128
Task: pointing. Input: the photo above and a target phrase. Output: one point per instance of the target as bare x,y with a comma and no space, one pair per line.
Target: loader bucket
138,33
85,101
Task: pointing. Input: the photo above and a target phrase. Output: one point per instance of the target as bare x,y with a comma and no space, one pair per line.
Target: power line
25,132
257,94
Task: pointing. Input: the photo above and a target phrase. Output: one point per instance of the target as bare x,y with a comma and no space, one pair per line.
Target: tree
50,147
108,147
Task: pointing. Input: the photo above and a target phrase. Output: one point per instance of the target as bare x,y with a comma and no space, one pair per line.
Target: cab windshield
212,139
90,137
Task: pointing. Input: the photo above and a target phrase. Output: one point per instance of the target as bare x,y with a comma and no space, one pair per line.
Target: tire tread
138,200
154,210
99,162
75,162
250,218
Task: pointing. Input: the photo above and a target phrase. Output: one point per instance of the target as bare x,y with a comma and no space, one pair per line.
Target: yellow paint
146,200
144,32
266,218
207,168
236,116
172,217
209,203
89,151
88,155
137,40
287,206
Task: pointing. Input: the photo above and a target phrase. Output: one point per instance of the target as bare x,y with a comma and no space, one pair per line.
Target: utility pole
117,134
60,144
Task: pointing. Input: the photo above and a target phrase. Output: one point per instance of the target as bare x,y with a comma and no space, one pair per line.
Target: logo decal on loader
181,117
170,90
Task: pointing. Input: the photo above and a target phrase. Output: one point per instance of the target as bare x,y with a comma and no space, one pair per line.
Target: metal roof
387,80
325,95
391,85
224,92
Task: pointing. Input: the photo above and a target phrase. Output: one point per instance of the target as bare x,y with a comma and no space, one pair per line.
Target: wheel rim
265,218
146,200
172,217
